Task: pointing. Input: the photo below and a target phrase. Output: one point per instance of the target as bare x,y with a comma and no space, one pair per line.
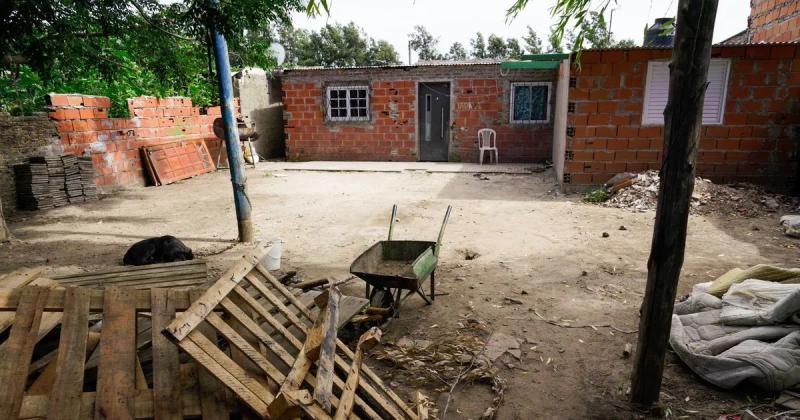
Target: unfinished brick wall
774,21
388,135
21,138
114,143
484,103
480,99
757,141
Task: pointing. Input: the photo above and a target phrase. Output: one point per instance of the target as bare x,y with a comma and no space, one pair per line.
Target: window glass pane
362,103
362,93
353,102
354,93
538,103
362,112
522,103
334,93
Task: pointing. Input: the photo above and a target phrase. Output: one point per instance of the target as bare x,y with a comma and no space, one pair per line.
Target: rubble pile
741,199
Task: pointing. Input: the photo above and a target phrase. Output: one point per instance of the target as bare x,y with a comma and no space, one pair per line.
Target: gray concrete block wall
21,138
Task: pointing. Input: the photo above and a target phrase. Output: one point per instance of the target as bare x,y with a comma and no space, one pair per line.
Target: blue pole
232,145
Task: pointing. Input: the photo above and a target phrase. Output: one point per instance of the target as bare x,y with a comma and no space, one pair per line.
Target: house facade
591,119
427,112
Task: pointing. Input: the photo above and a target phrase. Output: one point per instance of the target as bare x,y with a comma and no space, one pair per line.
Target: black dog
157,250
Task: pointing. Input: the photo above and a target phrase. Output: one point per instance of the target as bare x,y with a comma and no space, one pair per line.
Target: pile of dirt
740,199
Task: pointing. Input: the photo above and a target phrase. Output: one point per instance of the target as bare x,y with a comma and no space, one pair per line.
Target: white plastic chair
487,141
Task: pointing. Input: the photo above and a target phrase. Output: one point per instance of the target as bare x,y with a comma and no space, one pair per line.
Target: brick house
429,112
603,117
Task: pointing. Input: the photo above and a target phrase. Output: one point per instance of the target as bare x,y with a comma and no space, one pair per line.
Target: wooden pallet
166,275
97,368
265,325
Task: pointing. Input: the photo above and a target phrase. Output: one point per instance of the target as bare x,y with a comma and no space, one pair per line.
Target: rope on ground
592,326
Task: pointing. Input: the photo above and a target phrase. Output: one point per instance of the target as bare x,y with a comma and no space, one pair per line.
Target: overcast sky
458,20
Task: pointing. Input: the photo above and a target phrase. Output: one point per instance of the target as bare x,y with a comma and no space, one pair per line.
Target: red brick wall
480,99
389,135
114,143
757,142
774,21
482,103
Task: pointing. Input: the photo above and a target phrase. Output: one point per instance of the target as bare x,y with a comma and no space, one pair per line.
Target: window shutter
714,104
657,92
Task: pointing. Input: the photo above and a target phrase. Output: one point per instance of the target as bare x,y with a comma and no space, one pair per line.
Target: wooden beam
18,350
327,355
367,341
197,311
116,376
683,116
10,298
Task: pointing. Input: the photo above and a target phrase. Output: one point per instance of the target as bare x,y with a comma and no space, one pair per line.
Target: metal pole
232,145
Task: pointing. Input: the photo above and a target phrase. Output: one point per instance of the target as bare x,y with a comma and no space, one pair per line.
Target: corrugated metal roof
424,63
730,42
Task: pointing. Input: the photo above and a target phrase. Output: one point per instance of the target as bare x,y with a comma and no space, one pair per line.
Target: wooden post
683,115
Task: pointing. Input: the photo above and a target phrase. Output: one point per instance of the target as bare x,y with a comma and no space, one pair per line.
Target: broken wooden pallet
166,275
65,386
266,325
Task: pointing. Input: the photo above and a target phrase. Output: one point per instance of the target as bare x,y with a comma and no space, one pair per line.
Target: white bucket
274,255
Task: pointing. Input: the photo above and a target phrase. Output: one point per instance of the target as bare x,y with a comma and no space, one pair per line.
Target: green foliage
424,44
128,48
478,46
533,44
514,50
580,21
334,46
597,196
457,52
496,47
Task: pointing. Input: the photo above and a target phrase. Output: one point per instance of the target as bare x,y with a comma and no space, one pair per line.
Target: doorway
433,103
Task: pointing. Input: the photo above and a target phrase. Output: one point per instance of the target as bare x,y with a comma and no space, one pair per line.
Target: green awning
535,65
545,57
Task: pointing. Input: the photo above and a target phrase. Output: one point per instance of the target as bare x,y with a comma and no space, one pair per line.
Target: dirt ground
543,250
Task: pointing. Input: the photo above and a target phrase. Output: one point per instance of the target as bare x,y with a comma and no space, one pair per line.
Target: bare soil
525,243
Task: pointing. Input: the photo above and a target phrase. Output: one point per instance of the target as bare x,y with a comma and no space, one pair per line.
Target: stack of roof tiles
54,181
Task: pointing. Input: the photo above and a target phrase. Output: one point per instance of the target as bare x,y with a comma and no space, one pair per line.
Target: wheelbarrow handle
441,231
391,222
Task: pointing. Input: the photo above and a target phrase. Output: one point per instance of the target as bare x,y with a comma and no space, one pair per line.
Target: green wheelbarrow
395,266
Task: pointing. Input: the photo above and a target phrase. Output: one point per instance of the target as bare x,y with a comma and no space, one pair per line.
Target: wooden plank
166,365
235,339
116,372
135,275
9,300
234,311
45,381
284,291
198,278
368,340
132,269
36,406
206,353
327,355
65,402
211,392
18,349
19,278
274,300
189,319
368,387
421,401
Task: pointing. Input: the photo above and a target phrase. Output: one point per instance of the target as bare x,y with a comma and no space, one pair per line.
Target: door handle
441,130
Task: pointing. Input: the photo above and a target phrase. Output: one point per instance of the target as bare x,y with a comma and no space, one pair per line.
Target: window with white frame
348,103
657,92
530,102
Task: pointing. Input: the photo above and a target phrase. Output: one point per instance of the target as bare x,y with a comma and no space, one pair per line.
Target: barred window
348,103
530,102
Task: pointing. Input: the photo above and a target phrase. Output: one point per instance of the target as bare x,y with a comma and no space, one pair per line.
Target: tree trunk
5,234
683,115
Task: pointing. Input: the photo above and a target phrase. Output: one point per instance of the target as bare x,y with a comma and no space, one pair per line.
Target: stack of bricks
756,142
114,143
774,21
390,131
483,103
